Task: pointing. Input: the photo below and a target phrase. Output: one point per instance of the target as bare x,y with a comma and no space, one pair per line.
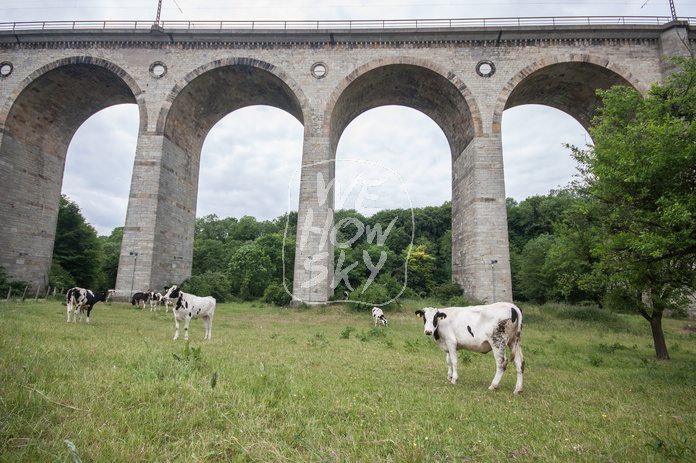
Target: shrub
275,294
373,295
447,291
17,285
208,284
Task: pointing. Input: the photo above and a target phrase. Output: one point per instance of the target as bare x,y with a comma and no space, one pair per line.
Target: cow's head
173,292
431,317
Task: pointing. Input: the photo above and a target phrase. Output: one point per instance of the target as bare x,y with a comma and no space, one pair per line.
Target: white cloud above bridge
249,157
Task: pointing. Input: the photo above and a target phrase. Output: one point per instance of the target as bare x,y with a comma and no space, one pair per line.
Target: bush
17,285
275,294
447,291
208,284
373,295
59,277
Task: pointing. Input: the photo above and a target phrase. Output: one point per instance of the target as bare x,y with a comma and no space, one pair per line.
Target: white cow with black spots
83,300
378,316
155,300
188,306
478,329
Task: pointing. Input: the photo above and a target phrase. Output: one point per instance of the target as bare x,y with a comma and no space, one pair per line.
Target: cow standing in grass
82,299
478,329
378,316
155,299
188,306
139,297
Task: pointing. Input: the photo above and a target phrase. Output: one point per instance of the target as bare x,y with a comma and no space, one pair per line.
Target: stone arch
411,82
211,91
117,71
567,83
38,123
168,161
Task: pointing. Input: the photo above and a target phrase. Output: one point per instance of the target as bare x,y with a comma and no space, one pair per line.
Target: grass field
311,385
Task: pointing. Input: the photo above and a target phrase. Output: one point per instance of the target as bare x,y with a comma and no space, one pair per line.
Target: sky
249,160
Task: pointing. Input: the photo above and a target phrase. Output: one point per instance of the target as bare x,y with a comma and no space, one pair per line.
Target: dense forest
246,259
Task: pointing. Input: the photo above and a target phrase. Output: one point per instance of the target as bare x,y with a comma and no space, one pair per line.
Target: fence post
38,290
9,293
25,293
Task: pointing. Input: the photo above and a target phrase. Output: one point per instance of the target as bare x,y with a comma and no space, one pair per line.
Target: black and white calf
478,329
378,316
188,306
82,299
155,299
140,297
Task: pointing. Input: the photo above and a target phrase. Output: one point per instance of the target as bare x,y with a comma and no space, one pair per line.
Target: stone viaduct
184,80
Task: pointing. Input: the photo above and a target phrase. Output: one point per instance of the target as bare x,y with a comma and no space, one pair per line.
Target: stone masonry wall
305,73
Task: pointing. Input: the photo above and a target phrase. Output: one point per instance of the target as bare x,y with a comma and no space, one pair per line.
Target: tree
76,248
641,175
111,247
421,267
249,272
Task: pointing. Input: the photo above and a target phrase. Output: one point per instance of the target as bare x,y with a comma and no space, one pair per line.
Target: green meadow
324,385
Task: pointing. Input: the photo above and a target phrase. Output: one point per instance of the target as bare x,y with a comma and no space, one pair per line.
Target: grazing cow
378,316
140,297
188,306
82,299
155,299
478,329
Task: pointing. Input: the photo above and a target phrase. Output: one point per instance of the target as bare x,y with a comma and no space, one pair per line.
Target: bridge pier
479,222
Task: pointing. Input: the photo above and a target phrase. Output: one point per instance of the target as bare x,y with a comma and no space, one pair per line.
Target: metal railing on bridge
345,24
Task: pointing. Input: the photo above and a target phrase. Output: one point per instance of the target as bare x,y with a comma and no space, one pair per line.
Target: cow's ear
441,315
420,313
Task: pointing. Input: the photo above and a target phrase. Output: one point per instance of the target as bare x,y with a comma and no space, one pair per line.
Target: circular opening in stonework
158,69
5,69
320,70
485,68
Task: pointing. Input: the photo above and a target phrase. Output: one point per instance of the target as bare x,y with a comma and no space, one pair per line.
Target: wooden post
36,297
9,293
24,294
48,290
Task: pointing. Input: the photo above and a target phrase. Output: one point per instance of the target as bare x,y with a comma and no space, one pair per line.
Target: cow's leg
186,324
69,309
176,334
452,374
89,310
500,365
519,363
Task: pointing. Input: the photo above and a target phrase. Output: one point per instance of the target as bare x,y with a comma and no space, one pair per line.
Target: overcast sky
250,157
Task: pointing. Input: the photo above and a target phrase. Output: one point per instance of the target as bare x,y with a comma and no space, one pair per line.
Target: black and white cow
478,329
155,299
188,306
378,316
140,297
82,299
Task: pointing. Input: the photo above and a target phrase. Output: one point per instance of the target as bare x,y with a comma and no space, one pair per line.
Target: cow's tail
516,345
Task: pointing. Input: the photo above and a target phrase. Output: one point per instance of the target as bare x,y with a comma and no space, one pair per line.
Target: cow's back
473,326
